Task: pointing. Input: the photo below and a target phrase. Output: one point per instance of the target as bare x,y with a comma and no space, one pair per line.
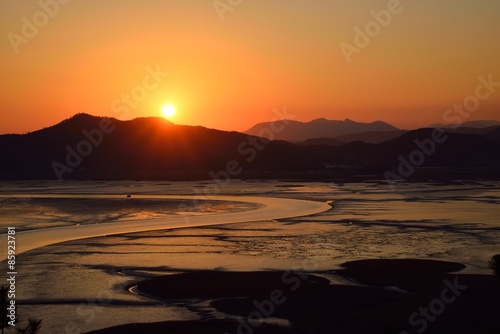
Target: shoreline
271,208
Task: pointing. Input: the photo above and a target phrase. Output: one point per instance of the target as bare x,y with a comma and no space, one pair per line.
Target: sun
168,111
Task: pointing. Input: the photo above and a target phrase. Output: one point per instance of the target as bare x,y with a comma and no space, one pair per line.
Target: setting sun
168,111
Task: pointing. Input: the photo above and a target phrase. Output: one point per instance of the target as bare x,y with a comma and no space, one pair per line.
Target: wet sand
49,212
269,209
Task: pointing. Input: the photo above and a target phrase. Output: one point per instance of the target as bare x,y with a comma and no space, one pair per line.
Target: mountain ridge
89,147
469,124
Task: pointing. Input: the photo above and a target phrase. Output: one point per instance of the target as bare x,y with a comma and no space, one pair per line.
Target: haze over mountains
335,133
470,124
88,147
321,128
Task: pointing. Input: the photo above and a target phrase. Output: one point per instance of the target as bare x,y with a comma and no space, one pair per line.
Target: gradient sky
230,74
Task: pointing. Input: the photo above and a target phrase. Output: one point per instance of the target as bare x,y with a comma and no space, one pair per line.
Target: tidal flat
88,284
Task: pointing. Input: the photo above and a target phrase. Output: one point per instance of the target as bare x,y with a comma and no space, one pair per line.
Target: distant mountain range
372,137
88,147
335,133
469,124
321,128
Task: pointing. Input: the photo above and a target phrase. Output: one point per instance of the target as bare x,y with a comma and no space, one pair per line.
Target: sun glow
168,111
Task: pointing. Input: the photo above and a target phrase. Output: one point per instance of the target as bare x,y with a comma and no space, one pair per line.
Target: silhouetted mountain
87,147
469,124
374,137
494,134
322,141
319,128
472,131
415,155
457,150
143,148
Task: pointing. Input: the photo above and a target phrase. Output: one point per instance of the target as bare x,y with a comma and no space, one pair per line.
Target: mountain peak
319,120
79,117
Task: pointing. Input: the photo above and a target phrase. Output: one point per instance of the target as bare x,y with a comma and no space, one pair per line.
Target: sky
229,64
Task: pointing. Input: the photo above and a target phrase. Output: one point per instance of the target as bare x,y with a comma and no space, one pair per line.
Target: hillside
141,148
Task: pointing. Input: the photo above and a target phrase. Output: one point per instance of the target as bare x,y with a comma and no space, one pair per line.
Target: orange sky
230,74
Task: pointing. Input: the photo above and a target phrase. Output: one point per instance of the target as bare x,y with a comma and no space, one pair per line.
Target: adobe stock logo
421,319
95,137
139,93
84,148
30,28
452,116
223,6
373,28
